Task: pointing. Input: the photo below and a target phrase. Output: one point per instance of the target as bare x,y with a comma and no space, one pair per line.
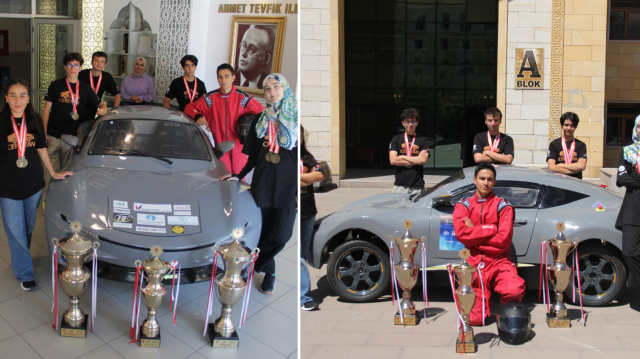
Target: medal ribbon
54,288
212,284
94,88
21,136
192,96
247,293
74,99
493,146
175,264
273,142
301,167
568,154
408,149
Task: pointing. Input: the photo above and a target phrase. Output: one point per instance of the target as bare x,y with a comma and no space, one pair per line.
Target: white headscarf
284,113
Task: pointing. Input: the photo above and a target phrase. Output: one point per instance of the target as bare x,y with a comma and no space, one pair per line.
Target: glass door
52,40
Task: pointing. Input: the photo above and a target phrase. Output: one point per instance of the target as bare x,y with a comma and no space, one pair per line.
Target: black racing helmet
244,125
514,323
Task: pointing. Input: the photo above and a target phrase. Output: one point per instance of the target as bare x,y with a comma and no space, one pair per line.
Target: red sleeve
473,236
199,107
253,107
501,242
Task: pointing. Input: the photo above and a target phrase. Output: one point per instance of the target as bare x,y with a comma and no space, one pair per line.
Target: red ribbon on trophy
54,280
212,284
135,310
424,278
493,146
94,88
568,154
480,268
576,264
395,294
460,321
191,95
175,264
247,293
94,286
543,286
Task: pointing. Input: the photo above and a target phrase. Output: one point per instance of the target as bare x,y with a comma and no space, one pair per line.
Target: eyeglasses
250,49
411,122
73,66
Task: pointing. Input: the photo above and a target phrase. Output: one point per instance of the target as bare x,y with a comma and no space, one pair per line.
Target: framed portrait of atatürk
256,50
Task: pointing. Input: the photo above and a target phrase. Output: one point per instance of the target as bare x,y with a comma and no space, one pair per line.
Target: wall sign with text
529,69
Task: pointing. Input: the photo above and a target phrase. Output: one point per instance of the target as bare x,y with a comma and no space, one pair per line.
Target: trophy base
67,330
466,346
147,342
218,341
406,320
558,322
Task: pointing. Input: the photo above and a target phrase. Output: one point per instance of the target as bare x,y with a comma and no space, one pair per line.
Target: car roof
145,112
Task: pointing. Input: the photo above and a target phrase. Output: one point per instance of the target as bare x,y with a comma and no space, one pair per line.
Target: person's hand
61,175
468,222
48,140
138,101
229,177
303,184
202,121
102,111
135,98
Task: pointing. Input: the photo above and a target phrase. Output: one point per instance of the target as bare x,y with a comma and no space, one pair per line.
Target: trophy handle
96,245
55,242
138,263
256,251
575,245
424,240
214,249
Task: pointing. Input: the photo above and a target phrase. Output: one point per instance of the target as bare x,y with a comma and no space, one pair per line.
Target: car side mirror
226,146
70,140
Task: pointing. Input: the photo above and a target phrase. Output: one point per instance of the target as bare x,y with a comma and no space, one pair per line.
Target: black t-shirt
557,153
20,183
60,121
178,91
108,84
307,198
505,147
409,176
273,186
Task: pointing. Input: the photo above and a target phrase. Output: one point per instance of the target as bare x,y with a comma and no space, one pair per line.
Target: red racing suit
489,241
222,113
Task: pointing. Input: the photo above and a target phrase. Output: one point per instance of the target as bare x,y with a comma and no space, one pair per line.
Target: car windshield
149,138
453,178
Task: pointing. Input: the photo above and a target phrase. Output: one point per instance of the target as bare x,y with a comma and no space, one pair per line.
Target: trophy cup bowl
153,294
406,275
230,289
465,343
560,275
74,280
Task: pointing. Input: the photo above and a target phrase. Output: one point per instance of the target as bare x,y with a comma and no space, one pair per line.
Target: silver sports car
145,176
353,241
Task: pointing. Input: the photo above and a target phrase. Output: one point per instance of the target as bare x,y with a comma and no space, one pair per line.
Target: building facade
362,62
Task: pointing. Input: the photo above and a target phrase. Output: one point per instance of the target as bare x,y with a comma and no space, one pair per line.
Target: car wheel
602,276
358,271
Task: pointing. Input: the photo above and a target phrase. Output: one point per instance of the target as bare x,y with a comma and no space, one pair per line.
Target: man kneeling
484,224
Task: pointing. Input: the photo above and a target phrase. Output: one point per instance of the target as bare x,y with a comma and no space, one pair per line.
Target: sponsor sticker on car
122,218
182,213
122,210
181,207
120,204
122,225
151,230
153,208
183,220
178,229
150,219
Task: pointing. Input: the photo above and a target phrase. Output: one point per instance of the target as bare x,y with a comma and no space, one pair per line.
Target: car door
525,197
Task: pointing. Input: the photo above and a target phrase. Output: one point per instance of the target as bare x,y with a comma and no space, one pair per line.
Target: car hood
90,196
391,201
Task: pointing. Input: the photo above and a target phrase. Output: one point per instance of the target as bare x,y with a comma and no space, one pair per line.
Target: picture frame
261,55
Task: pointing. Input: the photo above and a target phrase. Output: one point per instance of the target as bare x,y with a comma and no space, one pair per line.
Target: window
518,197
624,20
619,126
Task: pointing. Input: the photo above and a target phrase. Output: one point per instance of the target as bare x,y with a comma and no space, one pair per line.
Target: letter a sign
529,69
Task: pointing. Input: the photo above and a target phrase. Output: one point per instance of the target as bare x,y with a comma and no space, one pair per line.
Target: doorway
15,53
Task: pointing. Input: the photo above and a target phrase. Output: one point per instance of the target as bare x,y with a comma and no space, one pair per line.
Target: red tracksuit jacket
490,237
222,112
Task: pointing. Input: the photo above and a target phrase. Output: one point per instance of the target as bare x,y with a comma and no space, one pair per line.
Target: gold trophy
406,273
560,275
74,279
152,295
230,289
465,342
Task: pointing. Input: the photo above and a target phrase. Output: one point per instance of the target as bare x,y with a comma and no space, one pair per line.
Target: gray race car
145,176
353,240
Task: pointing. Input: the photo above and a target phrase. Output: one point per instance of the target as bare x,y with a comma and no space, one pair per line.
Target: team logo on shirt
31,141
561,157
414,150
488,148
65,98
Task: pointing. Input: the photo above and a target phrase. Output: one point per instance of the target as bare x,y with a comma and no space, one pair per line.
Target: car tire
602,273
368,262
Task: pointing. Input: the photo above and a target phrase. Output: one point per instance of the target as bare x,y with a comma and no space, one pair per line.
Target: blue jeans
306,233
19,217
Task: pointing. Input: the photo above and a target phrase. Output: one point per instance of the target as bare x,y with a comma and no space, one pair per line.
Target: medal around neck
22,162
75,116
465,343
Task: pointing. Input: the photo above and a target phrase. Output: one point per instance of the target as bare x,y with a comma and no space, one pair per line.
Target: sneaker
268,283
308,306
29,285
